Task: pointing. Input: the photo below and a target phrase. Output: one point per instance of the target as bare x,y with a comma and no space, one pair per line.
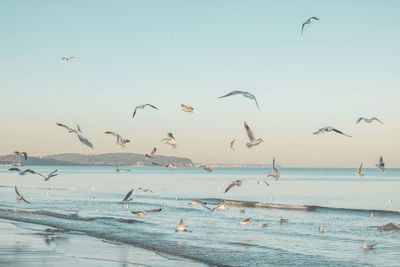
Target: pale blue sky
342,67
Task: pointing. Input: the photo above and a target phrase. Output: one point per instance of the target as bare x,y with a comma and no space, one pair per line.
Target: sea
86,201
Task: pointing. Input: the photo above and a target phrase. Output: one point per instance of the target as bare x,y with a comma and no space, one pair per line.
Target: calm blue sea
344,204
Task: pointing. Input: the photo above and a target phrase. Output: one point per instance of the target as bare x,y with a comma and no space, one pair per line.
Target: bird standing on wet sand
307,22
20,197
330,129
142,107
151,155
234,183
275,172
381,164
368,120
368,247
188,109
358,172
181,227
245,94
247,221
250,134
170,140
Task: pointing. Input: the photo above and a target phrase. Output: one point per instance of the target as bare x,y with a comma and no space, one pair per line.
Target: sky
172,52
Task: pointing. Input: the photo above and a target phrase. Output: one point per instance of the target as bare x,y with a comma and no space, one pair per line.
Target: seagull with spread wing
368,247
142,107
76,130
120,141
170,140
181,226
358,172
188,109
151,155
381,164
234,183
168,165
117,169
50,175
22,153
20,197
275,172
245,94
206,168
230,146
68,59
330,129
307,22
368,120
253,140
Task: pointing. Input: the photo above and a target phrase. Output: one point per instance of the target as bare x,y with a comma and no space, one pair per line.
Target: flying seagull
253,141
68,59
381,164
245,94
188,109
151,155
170,140
117,169
127,197
247,221
145,189
358,172
52,174
142,107
275,172
234,183
23,172
181,227
197,202
20,197
85,141
368,247
22,153
120,141
308,22
168,165
76,130
230,146
221,206
206,168
368,120
330,129
263,182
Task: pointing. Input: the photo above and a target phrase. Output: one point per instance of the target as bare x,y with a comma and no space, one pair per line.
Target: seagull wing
127,196
236,92
25,155
65,126
155,210
171,136
85,141
302,27
150,105
249,132
255,99
314,18
153,152
78,128
53,172
375,118
320,131
230,186
14,169
273,163
25,200
359,168
339,132
111,132
16,191
181,223
380,160
134,112
157,164
360,119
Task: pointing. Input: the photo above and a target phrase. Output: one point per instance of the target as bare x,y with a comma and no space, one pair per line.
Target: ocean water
342,204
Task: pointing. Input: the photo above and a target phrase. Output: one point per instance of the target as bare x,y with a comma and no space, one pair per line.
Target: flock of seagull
170,140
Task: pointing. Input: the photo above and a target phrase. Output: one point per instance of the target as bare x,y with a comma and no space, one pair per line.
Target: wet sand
24,244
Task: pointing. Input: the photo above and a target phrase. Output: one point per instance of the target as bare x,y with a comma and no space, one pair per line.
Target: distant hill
126,159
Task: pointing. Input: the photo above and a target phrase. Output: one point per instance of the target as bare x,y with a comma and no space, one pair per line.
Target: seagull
120,141
262,224
14,169
263,182
221,206
168,165
76,130
206,168
52,174
371,215
245,94
68,59
127,197
247,221
170,140
282,220
234,183
22,153
358,172
308,22
188,109
181,227
381,164
253,141
321,229
230,146
142,107
25,171
118,169
368,247
242,210
20,197
151,155
330,129
197,202
138,213
85,141
145,190
274,173
368,120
